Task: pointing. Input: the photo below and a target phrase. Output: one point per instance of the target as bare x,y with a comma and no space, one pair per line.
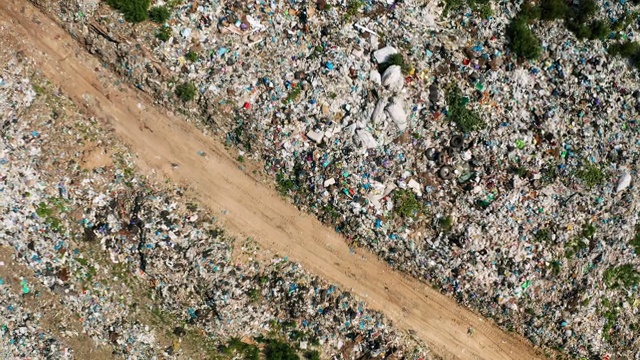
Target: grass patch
294,94
284,184
279,350
611,317
134,11
466,120
624,275
581,242
49,215
591,175
192,56
164,33
238,348
186,91
353,7
38,89
483,7
406,204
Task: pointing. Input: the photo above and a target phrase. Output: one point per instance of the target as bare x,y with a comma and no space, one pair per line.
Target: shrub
586,9
164,33
529,11
192,56
284,184
134,11
466,120
406,203
446,223
159,14
186,91
553,9
247,351
394,59
628,49
312,355
353,7
522,40
278,350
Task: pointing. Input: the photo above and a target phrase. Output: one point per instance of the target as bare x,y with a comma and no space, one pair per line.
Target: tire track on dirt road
251,208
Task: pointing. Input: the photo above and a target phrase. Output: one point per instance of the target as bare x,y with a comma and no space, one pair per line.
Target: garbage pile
509,184
113,247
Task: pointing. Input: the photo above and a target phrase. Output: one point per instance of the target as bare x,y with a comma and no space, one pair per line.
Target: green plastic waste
25,287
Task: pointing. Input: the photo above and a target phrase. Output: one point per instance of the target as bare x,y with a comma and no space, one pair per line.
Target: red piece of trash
466,62
246,106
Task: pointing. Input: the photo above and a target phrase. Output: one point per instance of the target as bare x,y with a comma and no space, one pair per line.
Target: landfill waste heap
490,149
96,261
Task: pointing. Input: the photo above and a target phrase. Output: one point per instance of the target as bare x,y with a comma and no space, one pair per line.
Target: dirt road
250,208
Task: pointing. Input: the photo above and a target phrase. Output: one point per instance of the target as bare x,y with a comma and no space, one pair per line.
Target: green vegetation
38,89
629,50
582,241
394,59
295,92
466,120
578,19
406,203
48,214
521,39
240,159
446,223
543,235
529,11
625,275
553,9
635,242
159,14
279,350
591,175
611,317
353,7
246,351
483,7
192,56
284,185
312,355
588,231
164,33
134,11
574,246
186,91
